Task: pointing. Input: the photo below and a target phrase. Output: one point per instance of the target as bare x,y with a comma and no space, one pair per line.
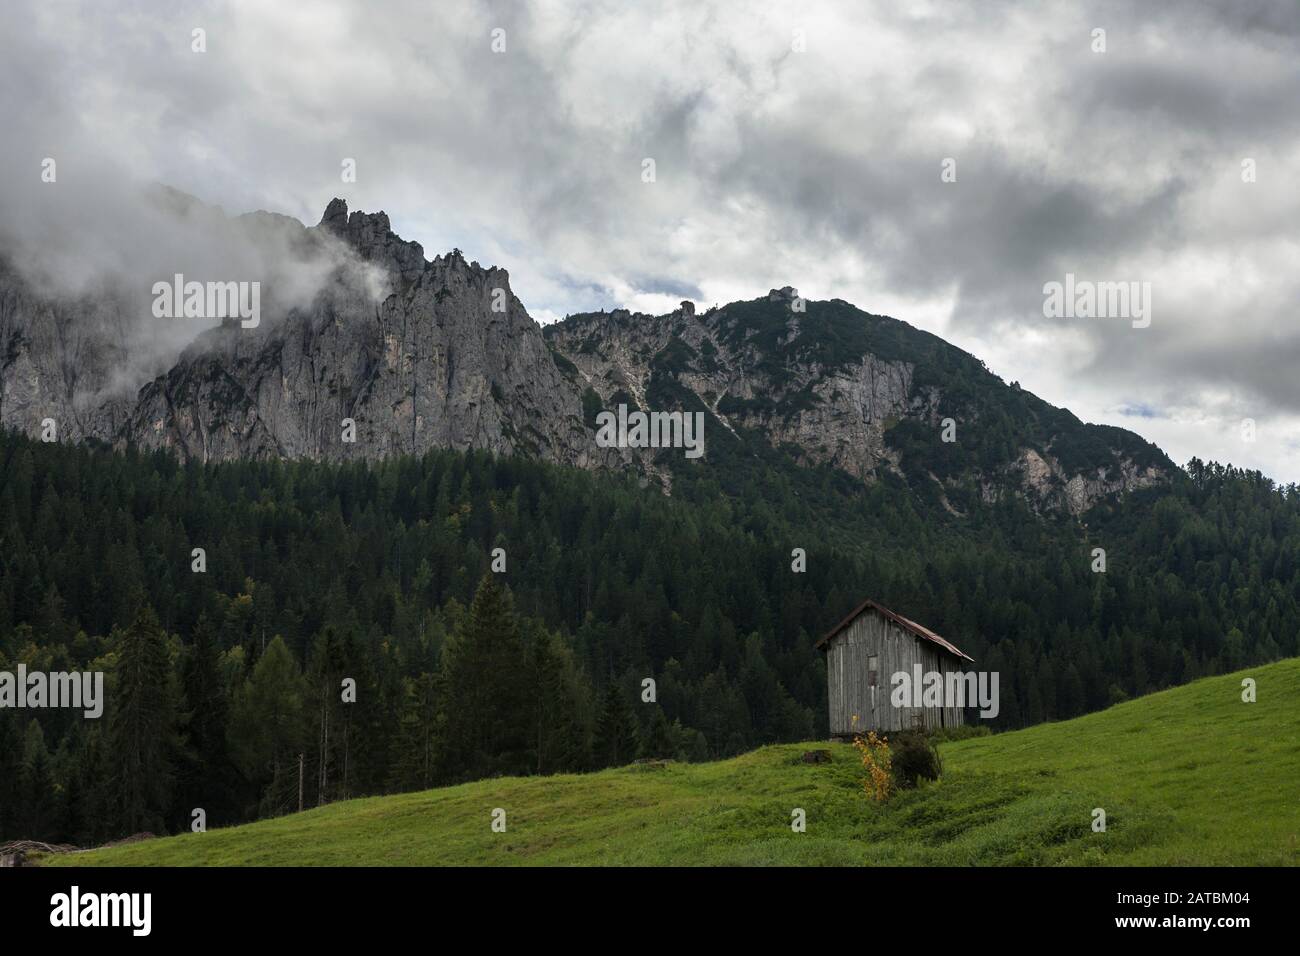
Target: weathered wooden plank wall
849,691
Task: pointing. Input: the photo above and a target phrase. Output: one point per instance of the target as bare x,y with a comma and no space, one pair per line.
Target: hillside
1188,776
318,571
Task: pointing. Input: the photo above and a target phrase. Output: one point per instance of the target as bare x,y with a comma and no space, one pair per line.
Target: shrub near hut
913,758
900,766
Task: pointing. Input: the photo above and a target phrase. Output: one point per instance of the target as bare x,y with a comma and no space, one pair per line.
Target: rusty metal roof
911,626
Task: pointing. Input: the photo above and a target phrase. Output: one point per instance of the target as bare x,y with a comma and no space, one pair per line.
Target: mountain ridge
423,353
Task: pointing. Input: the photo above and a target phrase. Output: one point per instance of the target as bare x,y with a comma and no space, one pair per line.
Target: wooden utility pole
300,783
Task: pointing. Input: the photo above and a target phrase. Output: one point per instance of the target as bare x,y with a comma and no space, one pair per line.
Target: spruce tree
143,726
207,774
561,703
413,765
483,691
616,738
266,729
10,757
659,741
35,786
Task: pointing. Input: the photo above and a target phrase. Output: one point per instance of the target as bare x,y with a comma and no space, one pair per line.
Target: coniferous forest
227,685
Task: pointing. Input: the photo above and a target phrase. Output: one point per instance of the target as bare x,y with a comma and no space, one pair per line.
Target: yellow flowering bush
877,760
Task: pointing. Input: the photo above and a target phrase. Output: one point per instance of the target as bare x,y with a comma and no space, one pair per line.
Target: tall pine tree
616,738
484,693
143,725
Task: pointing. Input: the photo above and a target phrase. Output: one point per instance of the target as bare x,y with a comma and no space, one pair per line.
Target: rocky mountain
394,353
432,364
872,396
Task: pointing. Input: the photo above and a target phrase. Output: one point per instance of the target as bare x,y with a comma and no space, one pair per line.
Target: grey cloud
817,169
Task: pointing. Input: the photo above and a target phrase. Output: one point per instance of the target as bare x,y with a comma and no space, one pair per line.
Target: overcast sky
794,144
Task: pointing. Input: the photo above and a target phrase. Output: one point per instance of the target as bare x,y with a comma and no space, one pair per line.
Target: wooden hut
863,653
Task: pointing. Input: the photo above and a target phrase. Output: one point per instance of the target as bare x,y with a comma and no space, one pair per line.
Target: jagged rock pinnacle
336,215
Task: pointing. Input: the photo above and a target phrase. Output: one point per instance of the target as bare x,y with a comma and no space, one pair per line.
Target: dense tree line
221,684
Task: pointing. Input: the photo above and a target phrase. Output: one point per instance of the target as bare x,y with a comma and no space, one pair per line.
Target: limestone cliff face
834,386
834,415
60,359
391,353
443,355
1052,487
398,352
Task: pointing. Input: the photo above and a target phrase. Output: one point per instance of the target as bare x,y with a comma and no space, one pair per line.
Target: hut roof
911,626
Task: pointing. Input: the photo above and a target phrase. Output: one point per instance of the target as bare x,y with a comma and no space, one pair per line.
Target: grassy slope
1186,776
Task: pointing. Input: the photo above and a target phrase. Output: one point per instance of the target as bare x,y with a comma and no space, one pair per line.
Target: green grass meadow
1189,776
